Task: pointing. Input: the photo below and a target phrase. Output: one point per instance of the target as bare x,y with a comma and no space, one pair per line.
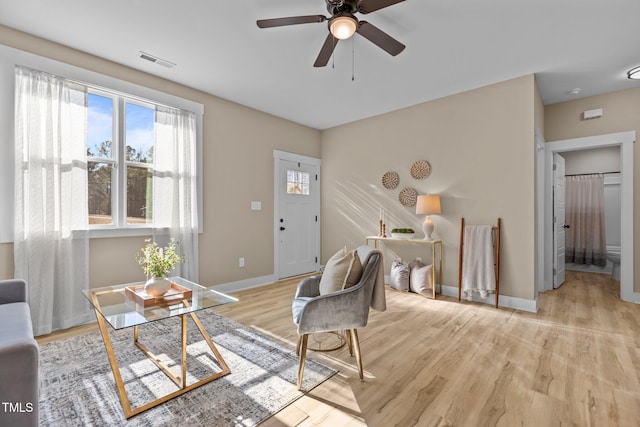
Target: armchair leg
298,345
303,356
349,341
356,346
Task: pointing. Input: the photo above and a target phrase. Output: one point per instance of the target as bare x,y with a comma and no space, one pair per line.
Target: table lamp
428,204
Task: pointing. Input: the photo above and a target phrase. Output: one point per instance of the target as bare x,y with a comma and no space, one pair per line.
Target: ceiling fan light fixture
343,27
634,73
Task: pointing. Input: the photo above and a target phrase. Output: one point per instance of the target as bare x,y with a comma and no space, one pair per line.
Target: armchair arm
13,290
346,309
309,287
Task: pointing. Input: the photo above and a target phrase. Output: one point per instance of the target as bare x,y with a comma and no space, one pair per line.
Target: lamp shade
343,27
428,204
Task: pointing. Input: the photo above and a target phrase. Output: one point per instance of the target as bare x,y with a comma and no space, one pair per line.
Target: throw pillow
355,273
340,271
420,281
399,277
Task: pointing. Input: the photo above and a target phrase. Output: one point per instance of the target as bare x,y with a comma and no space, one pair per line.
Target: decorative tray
403,236
176,293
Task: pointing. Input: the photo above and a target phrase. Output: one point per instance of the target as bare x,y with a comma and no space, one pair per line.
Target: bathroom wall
612,211
606,159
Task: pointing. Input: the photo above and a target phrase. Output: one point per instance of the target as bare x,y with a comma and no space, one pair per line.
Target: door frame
556,226
298,158
540,157
625,141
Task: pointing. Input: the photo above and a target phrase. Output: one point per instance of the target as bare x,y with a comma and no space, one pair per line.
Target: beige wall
238,149
564,121
480,145
6,261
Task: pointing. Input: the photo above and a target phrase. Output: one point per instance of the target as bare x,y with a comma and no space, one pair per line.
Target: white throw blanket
478,273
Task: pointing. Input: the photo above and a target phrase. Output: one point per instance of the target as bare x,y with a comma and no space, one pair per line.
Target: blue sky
139,123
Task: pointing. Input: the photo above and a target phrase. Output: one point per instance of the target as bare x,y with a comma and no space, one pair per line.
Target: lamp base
428,227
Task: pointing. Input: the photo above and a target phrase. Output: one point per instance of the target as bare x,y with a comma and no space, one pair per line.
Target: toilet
613,255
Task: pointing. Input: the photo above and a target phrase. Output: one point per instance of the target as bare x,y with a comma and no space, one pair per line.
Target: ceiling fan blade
292,20
380,38
326,51
368,6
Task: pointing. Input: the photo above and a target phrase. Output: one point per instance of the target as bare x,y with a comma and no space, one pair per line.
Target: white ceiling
452,46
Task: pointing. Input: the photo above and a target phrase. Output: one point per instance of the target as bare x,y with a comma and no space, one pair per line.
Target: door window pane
297,182
99,183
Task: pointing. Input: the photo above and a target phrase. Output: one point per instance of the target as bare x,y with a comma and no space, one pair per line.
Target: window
297,182
120,149
108,187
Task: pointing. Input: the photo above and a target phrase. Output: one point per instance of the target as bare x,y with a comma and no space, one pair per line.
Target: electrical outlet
241,262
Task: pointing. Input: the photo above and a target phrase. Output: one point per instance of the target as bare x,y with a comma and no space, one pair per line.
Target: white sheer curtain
51,248
586,242
175,209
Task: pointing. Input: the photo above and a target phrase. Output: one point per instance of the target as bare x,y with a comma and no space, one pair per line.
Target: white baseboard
240,285
506,301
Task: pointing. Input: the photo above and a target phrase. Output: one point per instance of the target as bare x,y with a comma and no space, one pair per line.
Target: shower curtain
585,239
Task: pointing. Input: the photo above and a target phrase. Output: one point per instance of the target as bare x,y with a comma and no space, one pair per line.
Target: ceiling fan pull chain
353,58
333,56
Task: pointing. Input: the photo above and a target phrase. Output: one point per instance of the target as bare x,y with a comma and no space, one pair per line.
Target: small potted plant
157,262
403,233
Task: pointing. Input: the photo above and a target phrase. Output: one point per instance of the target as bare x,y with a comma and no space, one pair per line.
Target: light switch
256,206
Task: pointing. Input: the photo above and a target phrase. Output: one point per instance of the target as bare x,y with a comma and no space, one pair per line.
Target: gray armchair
19,386
344,310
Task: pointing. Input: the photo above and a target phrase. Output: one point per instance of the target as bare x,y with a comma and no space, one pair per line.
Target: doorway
625,141
595,175
296,214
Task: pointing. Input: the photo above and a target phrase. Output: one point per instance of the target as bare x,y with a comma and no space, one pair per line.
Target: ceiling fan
343,24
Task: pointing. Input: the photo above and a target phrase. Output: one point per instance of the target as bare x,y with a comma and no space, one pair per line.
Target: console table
432,243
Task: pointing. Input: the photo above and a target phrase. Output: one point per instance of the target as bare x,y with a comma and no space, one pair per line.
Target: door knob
566,226
281,228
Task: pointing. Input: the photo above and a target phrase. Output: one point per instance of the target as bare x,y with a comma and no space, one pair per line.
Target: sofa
19,380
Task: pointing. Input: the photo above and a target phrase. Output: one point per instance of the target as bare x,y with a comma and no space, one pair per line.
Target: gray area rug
77,386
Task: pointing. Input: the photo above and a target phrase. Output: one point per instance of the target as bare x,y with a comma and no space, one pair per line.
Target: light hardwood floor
443,363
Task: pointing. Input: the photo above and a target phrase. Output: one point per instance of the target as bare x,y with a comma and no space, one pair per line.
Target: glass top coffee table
128,306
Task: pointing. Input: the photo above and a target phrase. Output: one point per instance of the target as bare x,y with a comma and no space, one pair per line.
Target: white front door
297,222
559,225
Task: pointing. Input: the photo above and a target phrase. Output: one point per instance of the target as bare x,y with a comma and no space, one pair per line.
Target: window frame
113,161
118,160
12,57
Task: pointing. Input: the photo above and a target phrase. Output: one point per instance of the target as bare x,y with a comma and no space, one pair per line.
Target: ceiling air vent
155,59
